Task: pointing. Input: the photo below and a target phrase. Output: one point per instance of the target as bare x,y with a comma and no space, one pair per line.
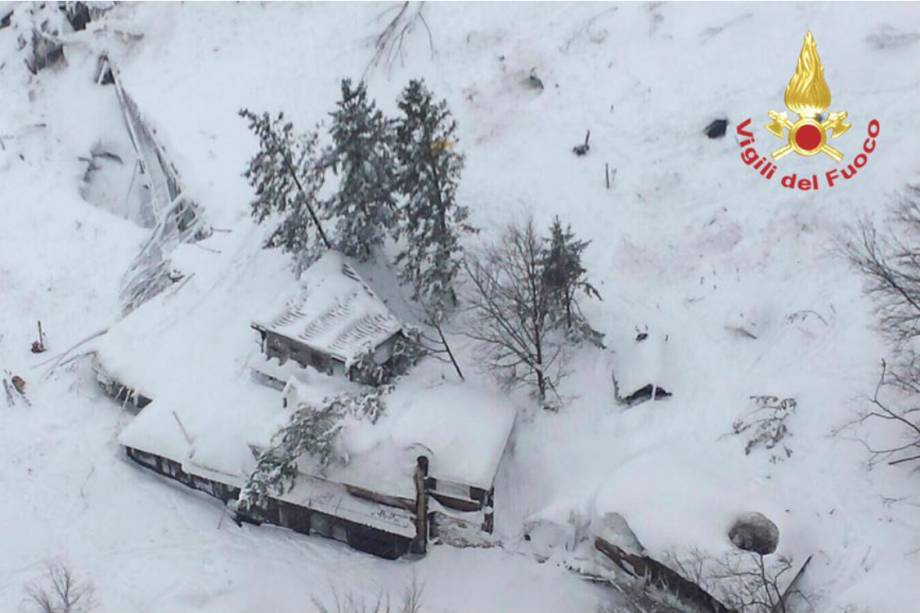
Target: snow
687,242
464,427
333,311
646,362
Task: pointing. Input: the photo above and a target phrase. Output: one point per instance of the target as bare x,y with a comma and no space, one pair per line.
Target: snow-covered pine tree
429,171
286,176
564,277
310,431
362,155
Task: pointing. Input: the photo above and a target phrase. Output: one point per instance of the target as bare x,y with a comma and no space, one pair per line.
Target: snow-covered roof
465,427
333,311
462,430
333,499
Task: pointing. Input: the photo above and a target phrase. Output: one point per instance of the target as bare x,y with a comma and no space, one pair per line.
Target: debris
741,332
78,15
533,81
104,74
39,345
657,574
647,392
10,401
19,383
582,149
609,176
177,218
767,425
41,27
14,383
47,50
716,128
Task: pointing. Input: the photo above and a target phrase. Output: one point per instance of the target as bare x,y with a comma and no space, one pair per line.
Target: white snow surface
688,242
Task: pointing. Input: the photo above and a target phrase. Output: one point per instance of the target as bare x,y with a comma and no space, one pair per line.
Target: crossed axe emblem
808,136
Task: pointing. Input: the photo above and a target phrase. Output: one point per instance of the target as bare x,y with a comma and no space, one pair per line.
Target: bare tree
743,581
390,42
437,346
60,591
906,420
890,263
411,602
511,308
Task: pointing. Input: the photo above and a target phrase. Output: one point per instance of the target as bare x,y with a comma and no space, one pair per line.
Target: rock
754,532
533,81
716,128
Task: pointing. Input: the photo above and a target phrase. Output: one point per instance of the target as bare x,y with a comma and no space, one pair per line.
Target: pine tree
361,154
564,276
429,171
287,178
311,431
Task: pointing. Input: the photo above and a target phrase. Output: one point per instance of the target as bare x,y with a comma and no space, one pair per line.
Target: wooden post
420,544
488,520
607,174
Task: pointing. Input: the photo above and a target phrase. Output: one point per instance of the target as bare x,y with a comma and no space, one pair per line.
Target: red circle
808,137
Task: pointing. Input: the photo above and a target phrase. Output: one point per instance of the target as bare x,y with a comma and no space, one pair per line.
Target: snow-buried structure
431,462
329,321
173,215
425,466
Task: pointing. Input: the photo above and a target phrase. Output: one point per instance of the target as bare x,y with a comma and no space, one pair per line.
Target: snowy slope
688,243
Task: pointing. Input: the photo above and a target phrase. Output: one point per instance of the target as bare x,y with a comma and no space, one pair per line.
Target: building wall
283,348
281,513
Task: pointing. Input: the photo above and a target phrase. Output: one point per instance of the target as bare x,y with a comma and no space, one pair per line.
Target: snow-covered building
430,460
330,320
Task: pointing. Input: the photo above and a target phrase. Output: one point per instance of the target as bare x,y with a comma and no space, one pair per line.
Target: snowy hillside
736,281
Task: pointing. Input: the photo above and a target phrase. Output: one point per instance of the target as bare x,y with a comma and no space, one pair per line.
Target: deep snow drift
688,244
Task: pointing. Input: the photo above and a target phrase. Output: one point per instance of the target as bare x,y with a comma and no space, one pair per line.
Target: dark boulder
716,128
754,532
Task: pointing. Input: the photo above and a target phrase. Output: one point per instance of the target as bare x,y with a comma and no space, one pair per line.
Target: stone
716,128
754,532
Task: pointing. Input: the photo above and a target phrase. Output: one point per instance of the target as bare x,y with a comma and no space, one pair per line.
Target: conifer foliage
287,179
431,220
362,155
523,307
311,434
564,277
311,431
